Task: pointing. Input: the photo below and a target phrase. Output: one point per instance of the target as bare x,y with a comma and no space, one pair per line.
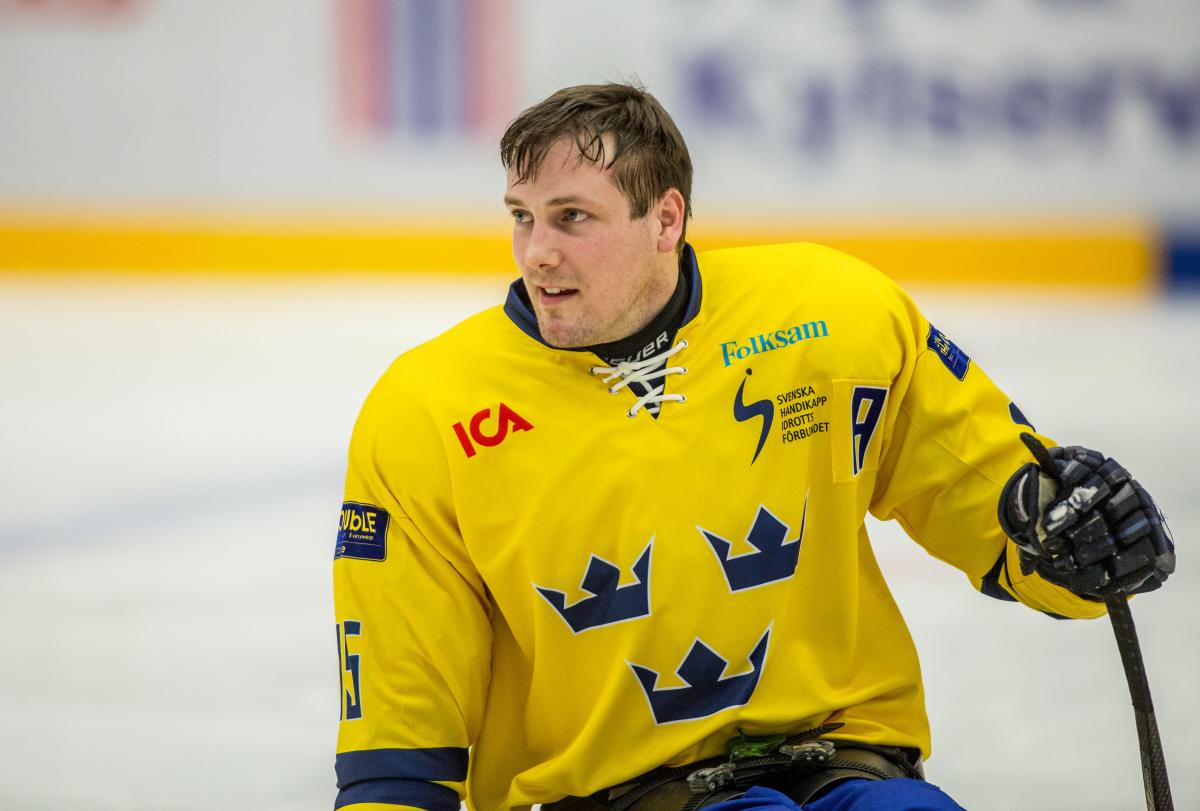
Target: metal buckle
715,778
810,753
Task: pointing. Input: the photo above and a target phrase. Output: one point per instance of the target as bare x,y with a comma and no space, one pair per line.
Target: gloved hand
1088,526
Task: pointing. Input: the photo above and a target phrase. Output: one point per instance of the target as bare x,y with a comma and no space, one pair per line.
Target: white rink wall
1000,107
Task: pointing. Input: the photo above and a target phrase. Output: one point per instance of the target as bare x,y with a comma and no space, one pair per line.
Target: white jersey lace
643,372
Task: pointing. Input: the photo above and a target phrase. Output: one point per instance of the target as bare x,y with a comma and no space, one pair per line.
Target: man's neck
657,336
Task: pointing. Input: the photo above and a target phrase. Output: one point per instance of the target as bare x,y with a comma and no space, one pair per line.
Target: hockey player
603,546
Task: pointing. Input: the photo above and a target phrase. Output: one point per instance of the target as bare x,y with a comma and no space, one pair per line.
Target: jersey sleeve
413,619
951,442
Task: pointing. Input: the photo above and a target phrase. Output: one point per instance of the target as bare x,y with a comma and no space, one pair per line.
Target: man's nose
542,251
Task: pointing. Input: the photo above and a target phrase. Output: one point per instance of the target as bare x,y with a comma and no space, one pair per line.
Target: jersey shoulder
481,335
442,376
449,360
802,274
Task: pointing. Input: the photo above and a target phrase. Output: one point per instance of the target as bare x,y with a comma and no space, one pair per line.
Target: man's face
594,275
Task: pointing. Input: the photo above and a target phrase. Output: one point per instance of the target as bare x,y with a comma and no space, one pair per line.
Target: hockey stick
1154,765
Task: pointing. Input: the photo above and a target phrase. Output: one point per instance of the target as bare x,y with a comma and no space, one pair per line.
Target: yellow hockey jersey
538,595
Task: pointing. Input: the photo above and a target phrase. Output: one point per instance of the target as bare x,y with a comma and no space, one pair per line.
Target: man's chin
567,338
564,341
559,334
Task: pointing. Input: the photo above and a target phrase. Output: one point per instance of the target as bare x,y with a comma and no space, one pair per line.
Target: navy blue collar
519,310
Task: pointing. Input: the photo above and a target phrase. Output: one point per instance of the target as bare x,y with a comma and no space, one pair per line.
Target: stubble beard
581,331
569,333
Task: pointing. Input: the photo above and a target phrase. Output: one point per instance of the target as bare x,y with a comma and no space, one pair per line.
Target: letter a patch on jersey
858,409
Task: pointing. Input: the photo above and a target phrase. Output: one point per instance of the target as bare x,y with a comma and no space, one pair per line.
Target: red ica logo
506,420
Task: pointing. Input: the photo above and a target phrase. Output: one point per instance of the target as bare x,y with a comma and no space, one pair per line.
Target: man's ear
669,213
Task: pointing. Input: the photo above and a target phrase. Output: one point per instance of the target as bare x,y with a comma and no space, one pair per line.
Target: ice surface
172,454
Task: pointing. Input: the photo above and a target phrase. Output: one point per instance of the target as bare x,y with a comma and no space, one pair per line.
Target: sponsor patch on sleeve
362,532
952,357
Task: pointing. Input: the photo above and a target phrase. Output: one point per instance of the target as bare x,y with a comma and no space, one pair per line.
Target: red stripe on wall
492,63
358,75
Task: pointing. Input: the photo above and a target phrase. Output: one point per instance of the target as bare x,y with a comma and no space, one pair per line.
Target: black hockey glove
1088,526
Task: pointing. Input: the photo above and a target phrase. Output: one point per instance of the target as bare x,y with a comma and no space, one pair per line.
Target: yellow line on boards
1111,259
1088,254
169,249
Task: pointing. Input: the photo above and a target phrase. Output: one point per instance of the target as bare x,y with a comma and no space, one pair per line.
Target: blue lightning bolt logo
759,408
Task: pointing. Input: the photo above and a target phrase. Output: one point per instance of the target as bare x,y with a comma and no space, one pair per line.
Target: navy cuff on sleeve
416,793
401,777
441,763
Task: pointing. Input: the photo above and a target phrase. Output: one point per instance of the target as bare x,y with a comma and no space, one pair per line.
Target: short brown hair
649,156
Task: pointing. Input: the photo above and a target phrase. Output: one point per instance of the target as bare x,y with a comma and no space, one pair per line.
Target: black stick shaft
1154,765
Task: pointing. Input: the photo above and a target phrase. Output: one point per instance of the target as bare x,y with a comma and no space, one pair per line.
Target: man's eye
574,215
521,216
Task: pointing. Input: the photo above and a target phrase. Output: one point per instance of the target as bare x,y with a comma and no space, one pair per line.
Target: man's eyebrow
566,201
556,201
